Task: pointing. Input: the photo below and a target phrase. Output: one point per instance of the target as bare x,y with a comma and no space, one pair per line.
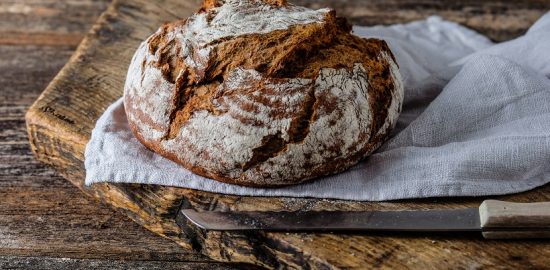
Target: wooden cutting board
60,123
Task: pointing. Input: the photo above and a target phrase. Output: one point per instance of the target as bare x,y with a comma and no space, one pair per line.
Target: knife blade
495,219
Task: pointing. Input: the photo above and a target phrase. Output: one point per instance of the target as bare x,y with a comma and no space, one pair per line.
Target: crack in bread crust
264,105
273,145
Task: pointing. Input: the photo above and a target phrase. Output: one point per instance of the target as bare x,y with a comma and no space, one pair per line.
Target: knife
494,219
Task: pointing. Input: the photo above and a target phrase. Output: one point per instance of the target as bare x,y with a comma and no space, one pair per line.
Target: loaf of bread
262,93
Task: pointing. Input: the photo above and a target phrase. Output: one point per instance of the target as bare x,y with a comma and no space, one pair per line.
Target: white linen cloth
475,121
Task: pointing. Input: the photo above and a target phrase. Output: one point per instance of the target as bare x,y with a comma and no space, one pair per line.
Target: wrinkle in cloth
475,121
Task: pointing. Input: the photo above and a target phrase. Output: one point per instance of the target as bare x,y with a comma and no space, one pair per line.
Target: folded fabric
475,121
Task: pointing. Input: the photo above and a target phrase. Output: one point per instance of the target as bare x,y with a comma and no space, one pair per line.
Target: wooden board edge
70,166
55,142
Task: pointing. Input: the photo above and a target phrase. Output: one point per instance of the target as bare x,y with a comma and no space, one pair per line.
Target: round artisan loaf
262,93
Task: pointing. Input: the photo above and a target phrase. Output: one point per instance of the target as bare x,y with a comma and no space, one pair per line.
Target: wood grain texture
499,20
35,263
60,122
47,22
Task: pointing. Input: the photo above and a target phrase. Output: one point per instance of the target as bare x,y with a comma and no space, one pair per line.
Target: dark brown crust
298,52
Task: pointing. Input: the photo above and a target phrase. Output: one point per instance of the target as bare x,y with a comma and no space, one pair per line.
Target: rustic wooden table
45,222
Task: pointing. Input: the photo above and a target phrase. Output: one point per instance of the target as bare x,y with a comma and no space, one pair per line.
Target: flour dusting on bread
262,93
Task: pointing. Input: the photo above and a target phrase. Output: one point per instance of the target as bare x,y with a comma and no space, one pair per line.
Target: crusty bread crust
262,93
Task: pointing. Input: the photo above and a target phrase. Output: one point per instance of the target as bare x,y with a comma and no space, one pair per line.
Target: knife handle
502,220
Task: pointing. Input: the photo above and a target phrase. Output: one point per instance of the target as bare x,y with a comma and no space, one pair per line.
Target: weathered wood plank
499,20
60,222
60,122
36,263
47,22
47,39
